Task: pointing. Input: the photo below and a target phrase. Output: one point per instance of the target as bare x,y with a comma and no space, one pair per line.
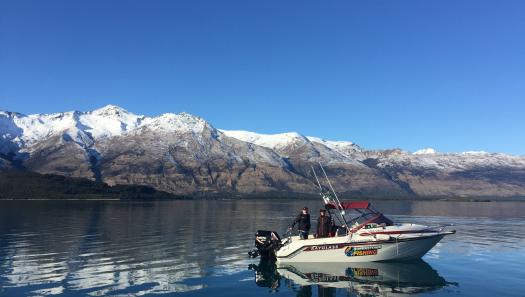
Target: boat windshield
368,216
360,214
377,218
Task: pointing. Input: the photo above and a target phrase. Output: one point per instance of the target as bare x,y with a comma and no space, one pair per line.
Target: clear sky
384,74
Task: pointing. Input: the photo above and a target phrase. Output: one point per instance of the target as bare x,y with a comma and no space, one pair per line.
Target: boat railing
440,227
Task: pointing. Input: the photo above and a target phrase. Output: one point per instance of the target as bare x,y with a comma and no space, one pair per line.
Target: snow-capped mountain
425,151
283,142
86,127
185,154
271,141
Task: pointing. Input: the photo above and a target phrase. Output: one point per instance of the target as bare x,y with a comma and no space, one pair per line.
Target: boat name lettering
322,247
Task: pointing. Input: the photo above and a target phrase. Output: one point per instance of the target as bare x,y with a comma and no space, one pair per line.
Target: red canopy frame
349,205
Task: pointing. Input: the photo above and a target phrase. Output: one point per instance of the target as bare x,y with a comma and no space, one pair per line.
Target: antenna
326,199
330,184
318,183
341,211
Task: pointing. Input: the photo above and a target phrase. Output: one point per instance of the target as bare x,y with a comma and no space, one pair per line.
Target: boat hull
342,251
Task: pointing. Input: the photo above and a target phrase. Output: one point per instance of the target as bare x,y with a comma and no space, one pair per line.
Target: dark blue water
198,248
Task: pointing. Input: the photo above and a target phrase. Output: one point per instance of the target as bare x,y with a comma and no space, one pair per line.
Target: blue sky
408,74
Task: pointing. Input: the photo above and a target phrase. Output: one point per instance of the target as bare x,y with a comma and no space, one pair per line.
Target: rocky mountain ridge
183,154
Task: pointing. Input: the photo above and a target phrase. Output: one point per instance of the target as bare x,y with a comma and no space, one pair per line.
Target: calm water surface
198,248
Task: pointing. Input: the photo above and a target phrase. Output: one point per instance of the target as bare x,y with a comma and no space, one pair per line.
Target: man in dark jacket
303,223
324,224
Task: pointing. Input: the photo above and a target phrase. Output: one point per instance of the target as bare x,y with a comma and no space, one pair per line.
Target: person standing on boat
303,223
324,224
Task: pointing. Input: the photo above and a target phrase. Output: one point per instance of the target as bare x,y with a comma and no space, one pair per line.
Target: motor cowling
266,244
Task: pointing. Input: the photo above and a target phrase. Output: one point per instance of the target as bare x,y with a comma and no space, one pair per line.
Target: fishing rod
339,205
326,200
325,197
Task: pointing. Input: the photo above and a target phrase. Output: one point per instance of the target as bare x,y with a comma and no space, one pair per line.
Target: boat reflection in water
370,279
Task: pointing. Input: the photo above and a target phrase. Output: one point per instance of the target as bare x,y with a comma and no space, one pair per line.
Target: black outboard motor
266,244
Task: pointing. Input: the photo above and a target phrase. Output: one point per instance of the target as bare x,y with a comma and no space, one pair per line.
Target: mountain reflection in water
368,279
198,248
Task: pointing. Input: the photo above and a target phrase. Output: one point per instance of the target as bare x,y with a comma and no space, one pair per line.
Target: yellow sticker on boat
353,251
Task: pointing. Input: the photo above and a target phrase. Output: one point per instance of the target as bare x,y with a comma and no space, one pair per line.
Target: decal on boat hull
353,251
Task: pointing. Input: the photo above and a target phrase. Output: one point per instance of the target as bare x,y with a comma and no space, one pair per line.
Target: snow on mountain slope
20,132
282,140
183,122
311,150
24,131
82,127
108,121
272,141
425,151
28,130
345,148
447,162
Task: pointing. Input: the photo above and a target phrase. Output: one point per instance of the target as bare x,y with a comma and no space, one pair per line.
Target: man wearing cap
303,223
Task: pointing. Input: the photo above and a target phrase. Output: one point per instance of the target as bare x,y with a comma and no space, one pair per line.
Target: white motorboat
364,235
370,236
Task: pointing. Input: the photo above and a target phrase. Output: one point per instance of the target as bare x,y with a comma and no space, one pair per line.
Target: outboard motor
266,244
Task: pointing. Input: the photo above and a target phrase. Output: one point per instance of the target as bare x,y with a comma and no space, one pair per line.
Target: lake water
199,248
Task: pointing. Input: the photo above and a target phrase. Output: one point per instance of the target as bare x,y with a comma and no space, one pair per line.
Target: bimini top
349,205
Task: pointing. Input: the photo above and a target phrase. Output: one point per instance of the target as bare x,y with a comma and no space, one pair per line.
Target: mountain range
185,155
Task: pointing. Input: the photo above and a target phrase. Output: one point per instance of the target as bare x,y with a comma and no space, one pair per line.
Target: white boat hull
346,250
